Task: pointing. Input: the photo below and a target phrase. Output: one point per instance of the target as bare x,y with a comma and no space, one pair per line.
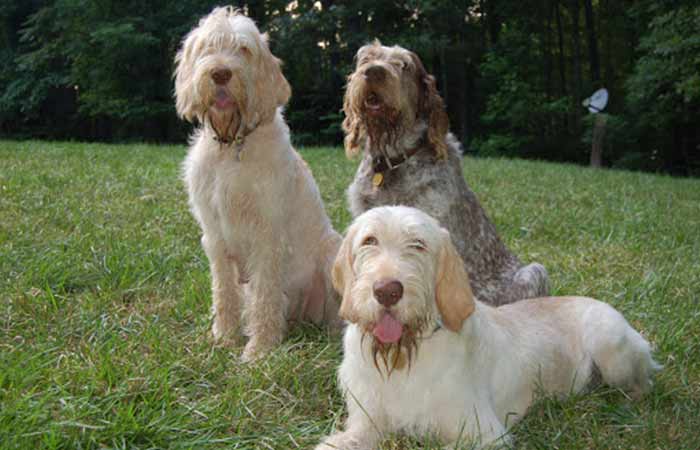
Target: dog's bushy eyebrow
415,230
412,237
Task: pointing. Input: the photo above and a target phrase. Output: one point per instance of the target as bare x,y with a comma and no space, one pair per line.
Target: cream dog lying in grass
423,357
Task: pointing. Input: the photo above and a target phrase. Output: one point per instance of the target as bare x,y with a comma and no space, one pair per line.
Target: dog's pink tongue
223,100
388,330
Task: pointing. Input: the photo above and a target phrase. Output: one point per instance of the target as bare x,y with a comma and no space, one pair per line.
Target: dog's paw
224,332
344,441
218,332
257,348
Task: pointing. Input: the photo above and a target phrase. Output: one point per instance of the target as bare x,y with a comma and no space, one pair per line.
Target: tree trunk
594,59
443,75
576,43
493,21
578,78
335,78
547,53
461,69
256,10
598,140
562,58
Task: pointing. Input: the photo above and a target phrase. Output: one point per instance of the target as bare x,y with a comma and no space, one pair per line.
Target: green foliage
663,92
620,144
512,74
500,145
665,84
108,63
37,72
519,110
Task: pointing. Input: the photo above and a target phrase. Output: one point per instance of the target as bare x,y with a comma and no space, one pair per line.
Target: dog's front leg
348,440
361,435
363,428
266,305
484,432
226,290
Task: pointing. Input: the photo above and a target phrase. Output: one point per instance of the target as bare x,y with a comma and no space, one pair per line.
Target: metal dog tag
378,179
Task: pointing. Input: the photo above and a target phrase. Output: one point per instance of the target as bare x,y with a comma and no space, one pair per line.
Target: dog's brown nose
221,76
375,73
388,291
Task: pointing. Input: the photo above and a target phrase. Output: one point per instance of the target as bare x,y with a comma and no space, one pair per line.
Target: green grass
104,290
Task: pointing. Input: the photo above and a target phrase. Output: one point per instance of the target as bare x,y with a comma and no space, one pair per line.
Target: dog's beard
224,107
397,355
384,130
225,124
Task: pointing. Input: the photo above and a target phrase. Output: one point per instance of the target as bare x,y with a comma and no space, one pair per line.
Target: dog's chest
417,398
413,400
387,187
421,184
234,196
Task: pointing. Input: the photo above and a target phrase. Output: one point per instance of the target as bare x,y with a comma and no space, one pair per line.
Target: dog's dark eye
370,240
245,51
418,245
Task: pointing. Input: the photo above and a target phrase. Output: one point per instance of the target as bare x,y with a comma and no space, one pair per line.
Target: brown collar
236,142
381,164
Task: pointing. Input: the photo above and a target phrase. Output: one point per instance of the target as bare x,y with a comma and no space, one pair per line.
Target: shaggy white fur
428,359
269,241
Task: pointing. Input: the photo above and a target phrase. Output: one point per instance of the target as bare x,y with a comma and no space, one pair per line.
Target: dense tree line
513,73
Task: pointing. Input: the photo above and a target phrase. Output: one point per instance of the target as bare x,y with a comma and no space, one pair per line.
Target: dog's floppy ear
185,98
343,275
284,90
273,69
453,294
352,125
432,108
271,79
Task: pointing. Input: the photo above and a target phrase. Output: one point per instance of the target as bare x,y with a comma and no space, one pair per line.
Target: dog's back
596,336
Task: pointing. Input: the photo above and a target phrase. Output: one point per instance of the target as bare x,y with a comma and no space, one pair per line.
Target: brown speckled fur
435,185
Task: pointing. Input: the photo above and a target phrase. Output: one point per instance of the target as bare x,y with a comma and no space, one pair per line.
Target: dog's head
387,95
399,274
225,74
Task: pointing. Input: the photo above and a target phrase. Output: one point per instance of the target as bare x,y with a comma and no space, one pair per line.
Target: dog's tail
531,281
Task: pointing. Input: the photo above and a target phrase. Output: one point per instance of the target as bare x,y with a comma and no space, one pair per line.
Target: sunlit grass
104,289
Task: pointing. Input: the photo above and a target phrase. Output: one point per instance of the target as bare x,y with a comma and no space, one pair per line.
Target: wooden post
598,136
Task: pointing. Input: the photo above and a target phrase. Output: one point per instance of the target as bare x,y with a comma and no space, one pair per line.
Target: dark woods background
513,73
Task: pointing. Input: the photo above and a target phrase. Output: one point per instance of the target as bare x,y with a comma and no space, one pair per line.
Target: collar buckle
237,143
382,163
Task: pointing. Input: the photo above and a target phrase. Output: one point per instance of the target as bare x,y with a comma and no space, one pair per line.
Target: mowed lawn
104,295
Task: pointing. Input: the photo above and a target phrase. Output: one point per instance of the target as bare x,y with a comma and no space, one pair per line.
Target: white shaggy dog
269,241
422,357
